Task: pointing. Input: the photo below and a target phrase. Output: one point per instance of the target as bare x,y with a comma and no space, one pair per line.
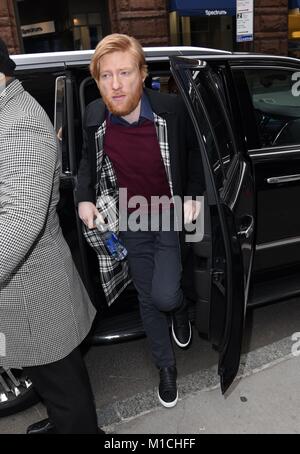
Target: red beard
129,106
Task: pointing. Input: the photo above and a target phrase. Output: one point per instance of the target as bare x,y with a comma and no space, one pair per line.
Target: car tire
18,396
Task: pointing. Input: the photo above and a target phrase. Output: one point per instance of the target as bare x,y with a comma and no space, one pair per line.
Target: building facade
35,26
271,27
8,26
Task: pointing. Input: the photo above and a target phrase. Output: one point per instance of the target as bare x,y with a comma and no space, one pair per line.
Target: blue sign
242,38
204,7
294,4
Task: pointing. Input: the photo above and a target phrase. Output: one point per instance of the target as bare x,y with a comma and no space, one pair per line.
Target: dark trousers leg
65,389
155,266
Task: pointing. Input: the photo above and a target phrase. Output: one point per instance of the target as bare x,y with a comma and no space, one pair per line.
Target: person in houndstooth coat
45,311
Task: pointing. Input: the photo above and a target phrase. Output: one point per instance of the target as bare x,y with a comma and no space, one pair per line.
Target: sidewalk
264,400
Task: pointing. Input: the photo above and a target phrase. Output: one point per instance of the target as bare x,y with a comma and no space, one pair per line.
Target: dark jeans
155,265
65,389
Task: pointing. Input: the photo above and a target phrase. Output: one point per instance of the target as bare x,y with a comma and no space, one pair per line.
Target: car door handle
283,179
247,227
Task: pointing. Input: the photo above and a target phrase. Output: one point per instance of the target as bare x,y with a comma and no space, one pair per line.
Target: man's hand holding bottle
91,217
88,213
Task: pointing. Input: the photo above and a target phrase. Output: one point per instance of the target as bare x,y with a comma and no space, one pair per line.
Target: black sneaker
167,391
47,427
41,427
181,327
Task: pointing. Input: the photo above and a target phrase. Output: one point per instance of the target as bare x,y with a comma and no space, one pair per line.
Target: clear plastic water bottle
113,244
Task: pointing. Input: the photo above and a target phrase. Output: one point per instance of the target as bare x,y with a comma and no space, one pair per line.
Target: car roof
244,59
81,57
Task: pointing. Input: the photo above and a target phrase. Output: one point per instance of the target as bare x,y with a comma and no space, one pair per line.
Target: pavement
264,399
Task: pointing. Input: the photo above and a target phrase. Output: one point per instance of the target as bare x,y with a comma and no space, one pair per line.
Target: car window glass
276,103
48,88
213,124
60,125
41,85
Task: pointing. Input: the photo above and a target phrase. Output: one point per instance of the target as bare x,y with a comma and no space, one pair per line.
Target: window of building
61,25
87,30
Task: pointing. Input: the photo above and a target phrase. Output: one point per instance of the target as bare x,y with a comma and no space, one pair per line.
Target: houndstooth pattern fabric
45,311
115,275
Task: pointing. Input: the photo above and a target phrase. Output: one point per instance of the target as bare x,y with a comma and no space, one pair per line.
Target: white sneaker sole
177,341
168,404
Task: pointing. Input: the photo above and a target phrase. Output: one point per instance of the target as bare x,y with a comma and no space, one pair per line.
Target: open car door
229,212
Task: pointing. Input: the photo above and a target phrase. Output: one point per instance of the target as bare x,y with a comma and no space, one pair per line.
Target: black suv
246,112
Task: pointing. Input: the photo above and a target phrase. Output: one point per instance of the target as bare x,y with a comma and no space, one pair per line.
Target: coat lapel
162,135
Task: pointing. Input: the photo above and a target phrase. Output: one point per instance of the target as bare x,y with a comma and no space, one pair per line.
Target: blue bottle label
115,246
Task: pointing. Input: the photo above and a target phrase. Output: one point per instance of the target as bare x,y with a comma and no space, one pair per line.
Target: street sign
244,20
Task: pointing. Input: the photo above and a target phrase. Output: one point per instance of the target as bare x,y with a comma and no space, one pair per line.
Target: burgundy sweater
135,154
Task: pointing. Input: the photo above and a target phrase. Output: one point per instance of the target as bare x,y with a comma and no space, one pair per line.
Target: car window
48,88
213,122
60,123
41,85
276,105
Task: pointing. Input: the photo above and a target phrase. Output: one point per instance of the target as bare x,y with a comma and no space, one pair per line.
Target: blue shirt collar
145,114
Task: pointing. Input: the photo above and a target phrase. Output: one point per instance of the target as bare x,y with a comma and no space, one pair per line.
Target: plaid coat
45,311
97,181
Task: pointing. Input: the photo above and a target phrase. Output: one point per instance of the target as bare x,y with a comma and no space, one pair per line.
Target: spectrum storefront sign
40,28
215,12
203,7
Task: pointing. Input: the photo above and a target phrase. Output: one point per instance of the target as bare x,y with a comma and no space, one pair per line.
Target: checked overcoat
45,311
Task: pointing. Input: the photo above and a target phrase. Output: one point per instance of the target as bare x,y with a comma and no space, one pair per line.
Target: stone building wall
146,20
8,28
270,28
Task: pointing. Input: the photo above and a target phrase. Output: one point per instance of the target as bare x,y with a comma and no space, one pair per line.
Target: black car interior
276,106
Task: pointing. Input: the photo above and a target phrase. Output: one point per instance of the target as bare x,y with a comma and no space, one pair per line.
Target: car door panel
272,133
229,199
278,222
